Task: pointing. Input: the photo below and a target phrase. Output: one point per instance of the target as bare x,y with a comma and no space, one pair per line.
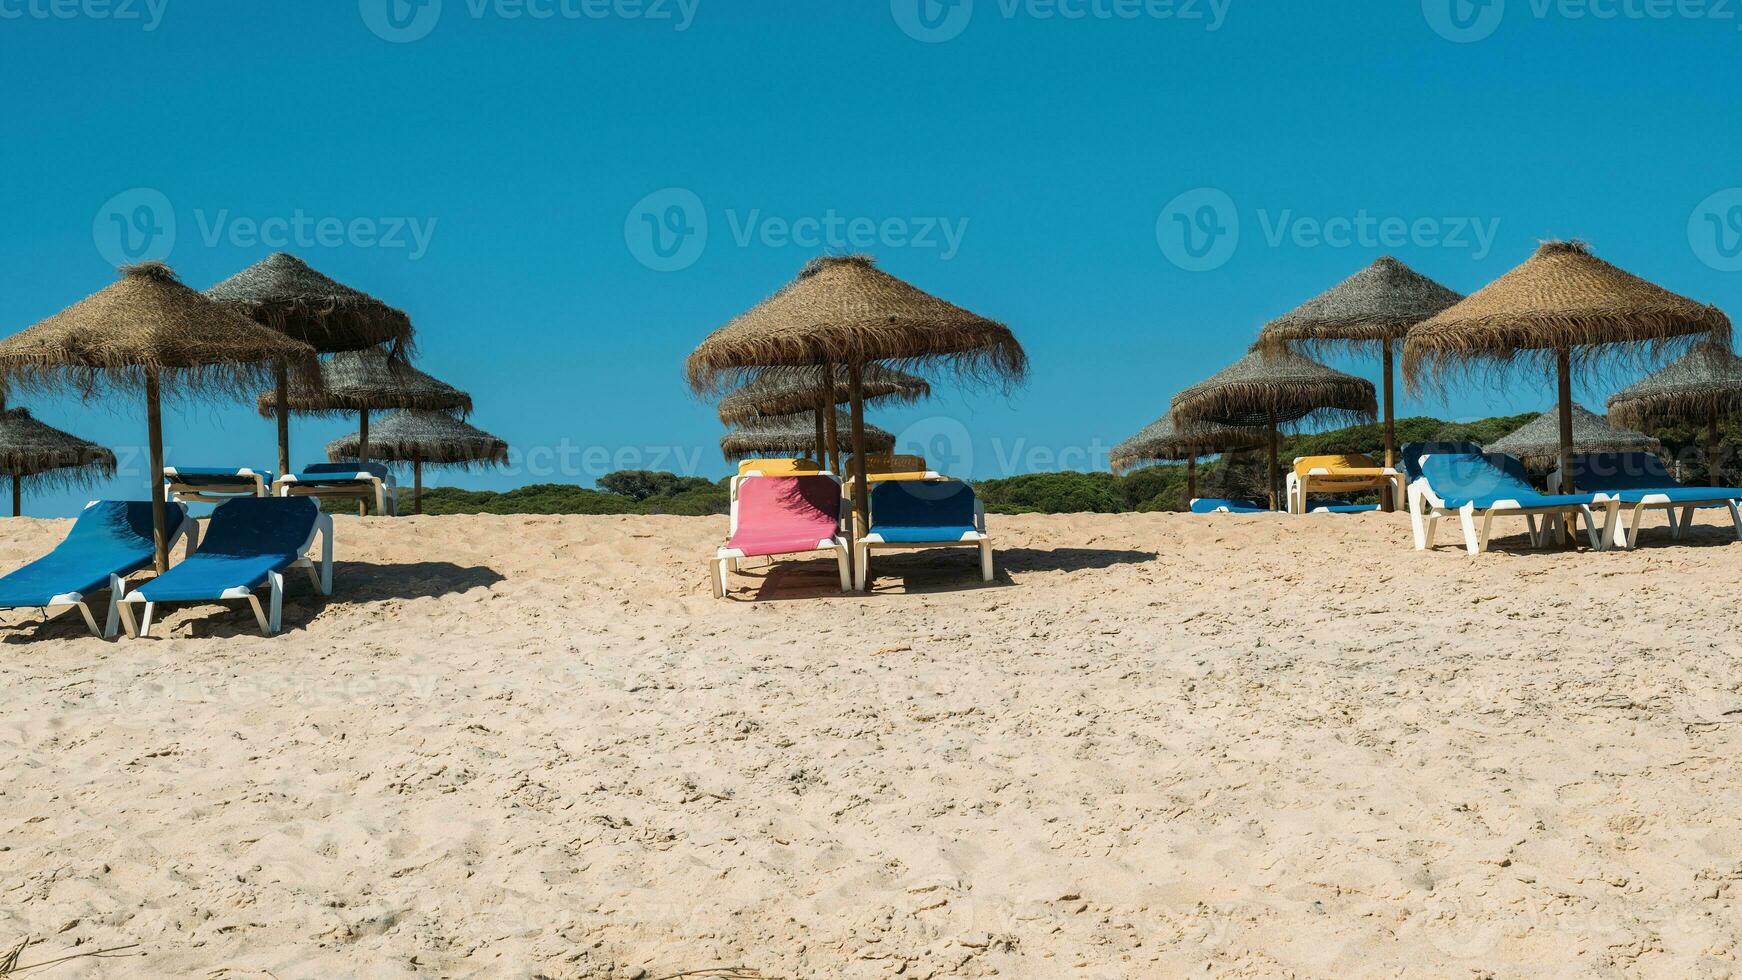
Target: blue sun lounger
111,540
249,543
213,484
1494,485
344,480
1227,505
924,514
1641,482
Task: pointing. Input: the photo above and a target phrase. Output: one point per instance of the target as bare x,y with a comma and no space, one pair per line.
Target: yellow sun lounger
779,467
1351,473
882,468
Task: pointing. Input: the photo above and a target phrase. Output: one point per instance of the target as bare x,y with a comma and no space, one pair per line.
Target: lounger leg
277,619
732,566
1467,516
863,568
90,620
985,561
842,565
112,622
1535,531
260,614
1416,521
1433,529
1736,518
325,524
1487,529
1638,518
1687,519
716,577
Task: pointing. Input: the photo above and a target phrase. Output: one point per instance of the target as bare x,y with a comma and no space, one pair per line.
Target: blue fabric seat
924,514
1227,505
345,479
1412,453
1494,485
342,472
215,476
111,540
1343,509
249,543
1641,481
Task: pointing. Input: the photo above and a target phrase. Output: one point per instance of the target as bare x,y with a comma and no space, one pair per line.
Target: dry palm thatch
1538,442
844,310
790,390
425,438
1163,441
44,456
1562,305
284,293
366,380
1379,303
785,434
1704,384
1276,387
147,323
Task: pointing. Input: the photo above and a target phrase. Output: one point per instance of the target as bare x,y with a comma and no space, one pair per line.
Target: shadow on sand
921,571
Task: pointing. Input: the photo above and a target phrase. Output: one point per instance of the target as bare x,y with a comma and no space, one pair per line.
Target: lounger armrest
324,528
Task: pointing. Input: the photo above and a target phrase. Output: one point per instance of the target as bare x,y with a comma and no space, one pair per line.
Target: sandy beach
1157,745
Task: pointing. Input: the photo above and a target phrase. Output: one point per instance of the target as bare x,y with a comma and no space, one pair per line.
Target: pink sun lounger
782,515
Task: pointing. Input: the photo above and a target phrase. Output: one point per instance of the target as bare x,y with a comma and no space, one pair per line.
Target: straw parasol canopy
1538,443
846,311
791,390
284,293
361,381
1163,441
424,437
1272,388
44,455
1555,314
1373,308
149,331
787,434
281,291
1704,385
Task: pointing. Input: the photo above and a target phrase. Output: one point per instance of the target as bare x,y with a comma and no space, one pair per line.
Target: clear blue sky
525,149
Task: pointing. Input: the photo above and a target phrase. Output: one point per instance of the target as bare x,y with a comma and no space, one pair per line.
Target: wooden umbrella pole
1713,441
832,432
822,438
1564,362
1389,496
417,482
363,455
282,400
154,437
17,496
1191,481
856,387
1271,476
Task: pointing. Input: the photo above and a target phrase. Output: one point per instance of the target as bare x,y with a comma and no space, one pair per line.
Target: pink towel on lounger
782,514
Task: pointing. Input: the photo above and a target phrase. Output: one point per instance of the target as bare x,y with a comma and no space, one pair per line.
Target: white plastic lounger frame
197,493
362,486
977,538
271,616
189,530
1297,498
1628,536
726,559
1427,509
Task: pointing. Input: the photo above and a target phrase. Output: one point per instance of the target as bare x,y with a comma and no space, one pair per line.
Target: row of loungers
249,544
329,481
793,507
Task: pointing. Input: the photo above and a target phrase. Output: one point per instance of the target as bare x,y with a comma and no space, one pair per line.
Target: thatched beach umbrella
1374,308
284,293
1538,442
1704,385
148,331
1163,441
365,380
1559,310
425,438
846,311
46,456
775,435
791,390
1273,388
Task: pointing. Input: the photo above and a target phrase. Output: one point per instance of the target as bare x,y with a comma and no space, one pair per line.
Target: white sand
1158,745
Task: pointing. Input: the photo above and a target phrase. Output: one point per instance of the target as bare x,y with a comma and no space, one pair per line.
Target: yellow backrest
890,467
1347,461
779,467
